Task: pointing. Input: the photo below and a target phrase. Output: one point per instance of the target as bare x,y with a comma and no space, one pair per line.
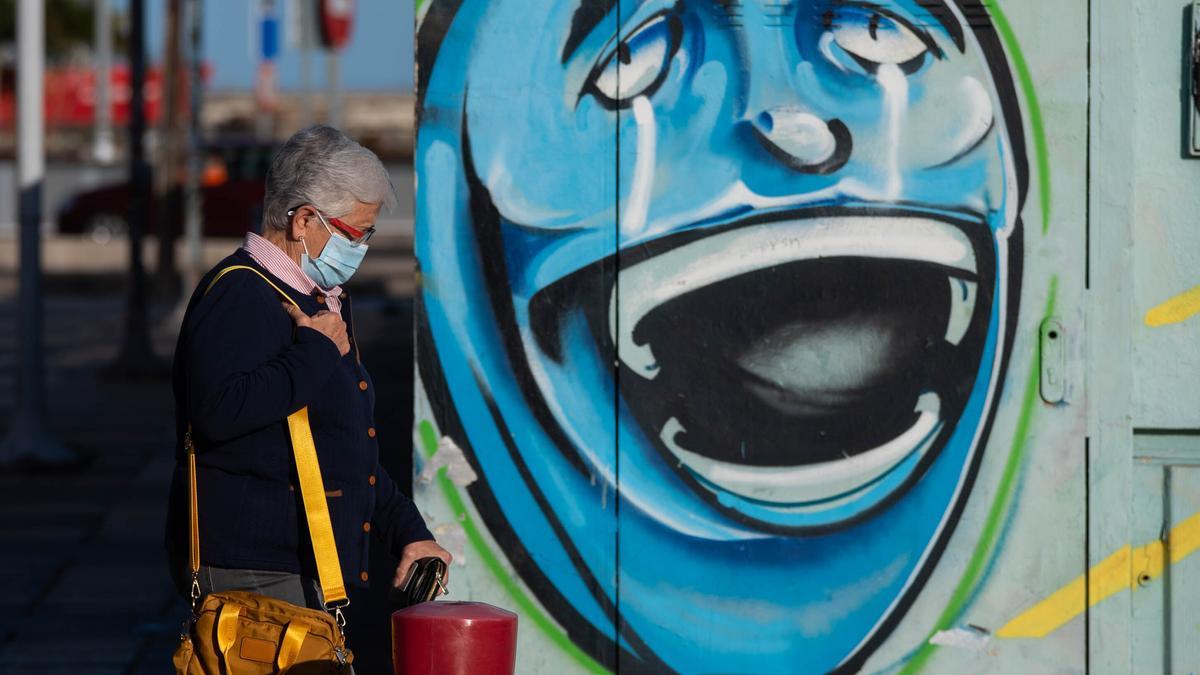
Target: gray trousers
285,586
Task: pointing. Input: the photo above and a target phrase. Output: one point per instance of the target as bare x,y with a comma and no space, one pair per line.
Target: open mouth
797,362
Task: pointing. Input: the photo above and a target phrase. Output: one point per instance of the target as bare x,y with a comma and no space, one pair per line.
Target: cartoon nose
802,140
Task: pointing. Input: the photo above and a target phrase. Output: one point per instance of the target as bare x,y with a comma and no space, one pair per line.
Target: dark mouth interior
802,363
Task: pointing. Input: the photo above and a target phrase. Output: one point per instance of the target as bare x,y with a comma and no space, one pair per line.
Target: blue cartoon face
747,270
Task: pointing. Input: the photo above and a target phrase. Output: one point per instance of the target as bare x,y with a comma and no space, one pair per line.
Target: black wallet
424,583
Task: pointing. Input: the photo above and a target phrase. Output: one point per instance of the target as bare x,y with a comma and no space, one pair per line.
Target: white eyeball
643,59
877,39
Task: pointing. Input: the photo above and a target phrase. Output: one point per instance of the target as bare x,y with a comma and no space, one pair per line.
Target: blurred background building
373,101
89,310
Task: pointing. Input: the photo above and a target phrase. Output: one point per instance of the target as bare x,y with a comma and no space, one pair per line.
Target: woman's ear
299,223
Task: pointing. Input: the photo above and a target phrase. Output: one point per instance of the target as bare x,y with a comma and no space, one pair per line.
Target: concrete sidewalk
84,587
82,582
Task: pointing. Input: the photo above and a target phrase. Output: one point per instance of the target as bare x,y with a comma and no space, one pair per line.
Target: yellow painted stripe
1119,571
1179,308
1185,539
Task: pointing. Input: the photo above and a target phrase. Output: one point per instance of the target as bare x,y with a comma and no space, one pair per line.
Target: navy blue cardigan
241,367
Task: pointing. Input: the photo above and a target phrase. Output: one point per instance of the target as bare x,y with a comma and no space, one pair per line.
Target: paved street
83,584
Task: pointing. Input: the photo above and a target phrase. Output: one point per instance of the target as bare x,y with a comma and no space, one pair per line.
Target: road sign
337,17
268,38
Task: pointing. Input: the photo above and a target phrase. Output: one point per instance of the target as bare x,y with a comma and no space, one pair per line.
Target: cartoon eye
643,59
874,39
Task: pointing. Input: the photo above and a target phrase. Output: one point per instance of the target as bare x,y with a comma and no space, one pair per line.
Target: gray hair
321,166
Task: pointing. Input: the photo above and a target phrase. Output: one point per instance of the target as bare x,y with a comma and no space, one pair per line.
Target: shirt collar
281,265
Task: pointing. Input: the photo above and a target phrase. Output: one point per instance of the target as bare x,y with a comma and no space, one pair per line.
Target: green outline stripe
527,607
1006,489
1041,148
996,514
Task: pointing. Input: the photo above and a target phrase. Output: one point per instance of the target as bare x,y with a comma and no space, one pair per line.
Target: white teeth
962,308
718,257
812,487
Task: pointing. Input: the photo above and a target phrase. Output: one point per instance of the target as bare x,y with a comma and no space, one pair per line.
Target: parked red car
233,183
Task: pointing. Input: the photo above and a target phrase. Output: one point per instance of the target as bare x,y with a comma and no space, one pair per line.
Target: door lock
1052,353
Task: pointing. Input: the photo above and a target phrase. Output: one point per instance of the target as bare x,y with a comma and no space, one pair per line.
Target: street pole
192,199
167,187
193,219
104,148
306,44
266,87
29,440
334,95
136,359
336,19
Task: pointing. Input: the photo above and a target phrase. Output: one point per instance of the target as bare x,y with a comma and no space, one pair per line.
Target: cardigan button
320,299
366,527
371,479
362,385
371,432
363,576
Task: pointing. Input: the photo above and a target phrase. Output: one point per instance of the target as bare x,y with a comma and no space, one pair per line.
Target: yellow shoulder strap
316,509
312,492
231,268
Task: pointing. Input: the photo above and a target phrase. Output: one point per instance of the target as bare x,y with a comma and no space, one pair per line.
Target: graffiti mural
717,301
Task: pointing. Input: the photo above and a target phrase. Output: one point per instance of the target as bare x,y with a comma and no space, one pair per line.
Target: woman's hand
325,322
414,552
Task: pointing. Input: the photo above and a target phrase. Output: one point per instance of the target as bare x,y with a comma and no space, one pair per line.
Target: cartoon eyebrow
587,16
590,13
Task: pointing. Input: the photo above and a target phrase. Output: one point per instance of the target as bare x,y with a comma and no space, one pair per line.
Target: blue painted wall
729,321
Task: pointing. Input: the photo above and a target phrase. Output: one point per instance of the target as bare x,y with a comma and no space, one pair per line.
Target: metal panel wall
516,196
732,323
1166,245
1166,516
1144,347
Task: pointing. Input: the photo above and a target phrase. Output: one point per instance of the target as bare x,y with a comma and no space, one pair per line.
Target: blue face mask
337,262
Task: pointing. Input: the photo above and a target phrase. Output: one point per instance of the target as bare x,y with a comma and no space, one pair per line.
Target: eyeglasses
355,236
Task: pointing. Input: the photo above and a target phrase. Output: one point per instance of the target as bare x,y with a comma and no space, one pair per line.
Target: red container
454,638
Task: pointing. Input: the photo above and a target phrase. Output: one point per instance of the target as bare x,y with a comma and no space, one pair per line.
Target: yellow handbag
245,633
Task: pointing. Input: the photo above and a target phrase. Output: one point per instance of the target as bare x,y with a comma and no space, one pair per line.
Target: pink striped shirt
278,263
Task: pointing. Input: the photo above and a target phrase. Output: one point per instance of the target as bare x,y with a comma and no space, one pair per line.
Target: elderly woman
246,359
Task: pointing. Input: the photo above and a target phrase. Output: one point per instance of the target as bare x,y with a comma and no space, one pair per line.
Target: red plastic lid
454,610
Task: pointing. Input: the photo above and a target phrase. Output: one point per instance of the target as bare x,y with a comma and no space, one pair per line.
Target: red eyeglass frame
355,235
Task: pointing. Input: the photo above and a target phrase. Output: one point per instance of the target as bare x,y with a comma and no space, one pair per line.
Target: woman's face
752,256
809,198
306,224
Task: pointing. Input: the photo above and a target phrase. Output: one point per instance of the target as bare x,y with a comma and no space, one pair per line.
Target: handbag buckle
336,610
195,591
